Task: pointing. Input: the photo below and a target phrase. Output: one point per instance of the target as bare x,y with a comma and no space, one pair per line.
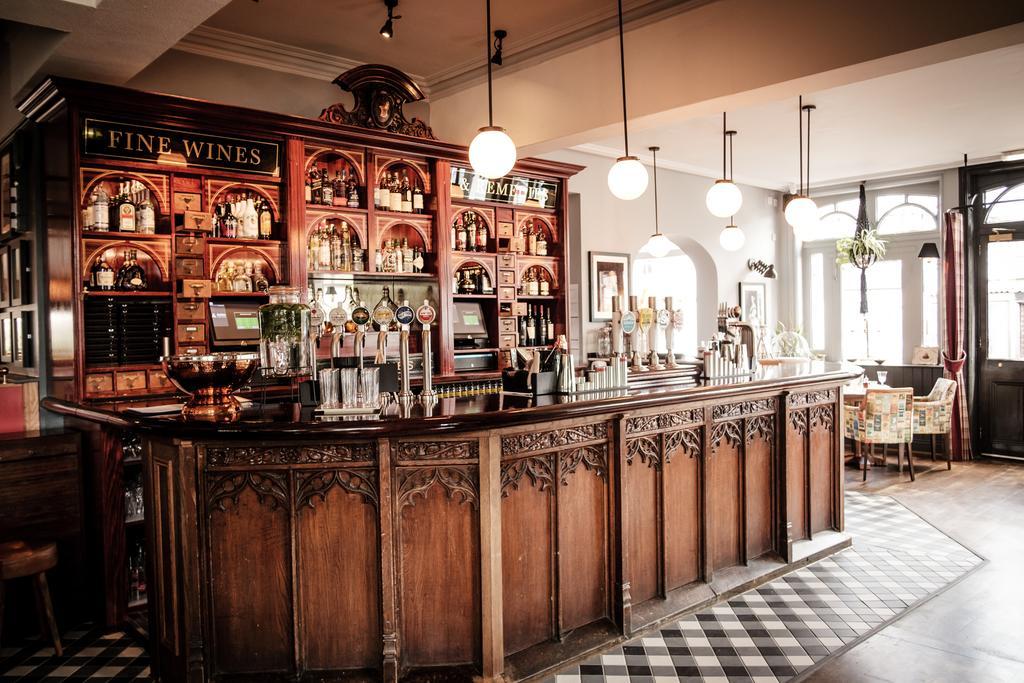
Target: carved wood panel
727,411
807,398
555,438
271,489
254,456
647,423
437,450
460,483
823,415
310,485
593,458
729,432
537,468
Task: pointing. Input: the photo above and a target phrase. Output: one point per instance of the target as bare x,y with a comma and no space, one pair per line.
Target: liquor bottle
353,193
146,213
339,188
266,219
124,210
407,256
346,247
326,188
223,281
391,257
469,231
459,236
335,240
542,328
542,244
378,260
395,194
243,278
309,190
417,199
531,327
259,280
313,251
99,208
376,196
523,340
324,256
543,285
551,325
102,276
481,236
531,238
406,194
230,224
384,193
133,278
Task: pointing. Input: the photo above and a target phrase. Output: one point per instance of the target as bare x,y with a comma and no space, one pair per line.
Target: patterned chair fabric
933,413
886,416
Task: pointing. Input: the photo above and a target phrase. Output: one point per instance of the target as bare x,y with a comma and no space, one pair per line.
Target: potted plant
861,250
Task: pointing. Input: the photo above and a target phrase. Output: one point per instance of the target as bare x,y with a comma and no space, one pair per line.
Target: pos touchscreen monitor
234,323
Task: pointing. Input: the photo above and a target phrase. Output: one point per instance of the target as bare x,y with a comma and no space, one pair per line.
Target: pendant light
658,246
802,212
724,199
492,153
731,237
627,179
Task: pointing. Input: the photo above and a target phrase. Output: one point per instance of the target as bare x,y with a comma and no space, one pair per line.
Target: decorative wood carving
687,439
730,431
647,447
270,488
316,484
380,94
807,398
594,458
253,456
539,441
798,421
730,410
823,415
647,423
460,483
437,450
537,468
760,425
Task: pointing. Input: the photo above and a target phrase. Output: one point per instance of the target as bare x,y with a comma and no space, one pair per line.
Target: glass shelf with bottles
243,273
334,247
533,237
403,249
333,180
536,281
136,273
472,280
400,188
123,206
240,214
470,232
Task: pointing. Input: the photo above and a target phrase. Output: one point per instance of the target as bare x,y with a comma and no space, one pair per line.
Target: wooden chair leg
899,458
947,446
46,617
910,459
862,456
933,448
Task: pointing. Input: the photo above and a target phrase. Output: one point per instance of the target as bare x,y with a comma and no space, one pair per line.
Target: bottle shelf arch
244,255
157,187
153,257
321,226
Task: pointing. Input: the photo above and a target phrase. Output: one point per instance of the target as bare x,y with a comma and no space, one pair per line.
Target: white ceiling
918,120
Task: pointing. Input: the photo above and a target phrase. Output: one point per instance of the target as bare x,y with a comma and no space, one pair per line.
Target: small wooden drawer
190,244
506,229
508,341
191,332
507,261
99,383
506,292
190,310
192,349
197,289
188,267
158,380
506,277
134,380
506,325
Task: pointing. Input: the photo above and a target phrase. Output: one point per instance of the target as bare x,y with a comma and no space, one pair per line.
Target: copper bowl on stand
210,379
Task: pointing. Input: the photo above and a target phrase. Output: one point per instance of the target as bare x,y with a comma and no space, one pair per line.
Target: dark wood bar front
495,537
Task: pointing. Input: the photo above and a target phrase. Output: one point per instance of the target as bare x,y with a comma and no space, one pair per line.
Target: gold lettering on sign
165,144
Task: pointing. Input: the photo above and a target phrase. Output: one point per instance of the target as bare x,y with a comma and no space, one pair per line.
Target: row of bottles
536,328
398,257
398,194
531,240
333,249
242,277
130,210
341,190
243,216
130,277
536,281
473,280
469,232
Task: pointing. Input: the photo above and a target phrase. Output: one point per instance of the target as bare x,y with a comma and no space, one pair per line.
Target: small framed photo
753,303
609,280
925,355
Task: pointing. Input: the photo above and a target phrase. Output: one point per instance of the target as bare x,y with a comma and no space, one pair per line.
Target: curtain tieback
954,365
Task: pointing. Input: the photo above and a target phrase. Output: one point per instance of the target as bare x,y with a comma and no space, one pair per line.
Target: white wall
610,224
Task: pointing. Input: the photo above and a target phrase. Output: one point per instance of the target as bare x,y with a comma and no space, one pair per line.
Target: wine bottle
551,326
406,194
542,328
531,327
266,219
395,194
384,193
523,339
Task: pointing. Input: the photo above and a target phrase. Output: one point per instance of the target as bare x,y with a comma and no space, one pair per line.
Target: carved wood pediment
380,94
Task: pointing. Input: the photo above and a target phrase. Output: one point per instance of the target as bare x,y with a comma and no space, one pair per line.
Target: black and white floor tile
768,634
774,632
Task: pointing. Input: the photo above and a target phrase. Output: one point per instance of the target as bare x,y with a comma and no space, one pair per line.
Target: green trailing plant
861,251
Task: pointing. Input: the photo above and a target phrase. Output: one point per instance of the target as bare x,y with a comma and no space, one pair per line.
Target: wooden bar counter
498,537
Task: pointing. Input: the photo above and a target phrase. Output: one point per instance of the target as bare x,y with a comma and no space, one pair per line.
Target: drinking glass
371,387
349,387
882,376
329,387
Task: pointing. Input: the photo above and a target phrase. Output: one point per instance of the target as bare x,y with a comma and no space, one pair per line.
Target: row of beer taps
636,331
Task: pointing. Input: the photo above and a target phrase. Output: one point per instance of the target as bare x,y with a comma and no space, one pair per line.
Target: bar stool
19,559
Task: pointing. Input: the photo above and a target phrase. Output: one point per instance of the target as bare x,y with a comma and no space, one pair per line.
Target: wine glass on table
882,376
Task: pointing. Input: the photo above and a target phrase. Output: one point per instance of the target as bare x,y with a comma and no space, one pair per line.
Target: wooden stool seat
19,559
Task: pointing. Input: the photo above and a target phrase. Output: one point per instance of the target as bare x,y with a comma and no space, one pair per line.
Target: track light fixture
388,29
499,40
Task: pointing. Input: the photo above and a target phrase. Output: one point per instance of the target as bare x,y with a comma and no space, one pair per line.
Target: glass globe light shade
659,246
492,152
627,179
724,199
732,238
801,212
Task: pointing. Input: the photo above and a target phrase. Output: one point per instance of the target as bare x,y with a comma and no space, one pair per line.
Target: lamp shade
929,250
732,238
659,246
801,212
627,179
492,152
724,199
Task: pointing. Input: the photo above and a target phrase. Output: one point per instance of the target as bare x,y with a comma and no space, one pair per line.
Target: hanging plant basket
862,250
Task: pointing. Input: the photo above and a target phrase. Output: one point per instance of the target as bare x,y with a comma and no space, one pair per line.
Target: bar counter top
288,420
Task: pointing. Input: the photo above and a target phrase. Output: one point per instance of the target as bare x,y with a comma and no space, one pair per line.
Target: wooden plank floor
974,631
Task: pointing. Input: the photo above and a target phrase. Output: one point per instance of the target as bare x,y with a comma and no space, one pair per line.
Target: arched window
907,217
673,276
1004,205
834,225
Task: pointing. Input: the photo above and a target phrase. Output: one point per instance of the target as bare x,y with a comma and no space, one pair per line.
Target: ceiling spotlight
499,39
388,29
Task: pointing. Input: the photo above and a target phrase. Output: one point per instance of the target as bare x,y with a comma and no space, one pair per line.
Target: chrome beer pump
657,325
637,334
360,316
426,315
616,327
675,322
382,318
404,315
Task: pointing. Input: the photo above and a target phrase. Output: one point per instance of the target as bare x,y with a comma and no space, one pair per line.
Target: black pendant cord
732,166
654,152
622,70
800,114
807,184
487,46
724,136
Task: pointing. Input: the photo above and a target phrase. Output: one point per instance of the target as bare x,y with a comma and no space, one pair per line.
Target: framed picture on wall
609,279
753,303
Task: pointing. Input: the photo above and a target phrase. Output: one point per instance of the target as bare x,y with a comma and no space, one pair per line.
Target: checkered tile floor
769,634
774,632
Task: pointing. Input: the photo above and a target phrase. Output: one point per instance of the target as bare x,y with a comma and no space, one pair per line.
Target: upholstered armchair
883,416
933,414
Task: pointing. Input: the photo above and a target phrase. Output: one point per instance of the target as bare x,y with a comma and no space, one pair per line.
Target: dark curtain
954,355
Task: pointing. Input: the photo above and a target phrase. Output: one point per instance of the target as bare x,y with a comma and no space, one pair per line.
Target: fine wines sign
179,147
515,190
